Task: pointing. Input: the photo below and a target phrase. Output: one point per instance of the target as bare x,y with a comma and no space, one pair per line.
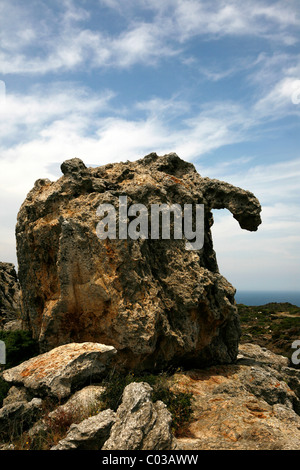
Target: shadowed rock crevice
10,303
155,301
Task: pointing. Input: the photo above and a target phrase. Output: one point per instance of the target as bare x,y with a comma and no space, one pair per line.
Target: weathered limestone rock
83,403
140,424
60,371
90,434
250,405
155,301
18,416
17,394
9,294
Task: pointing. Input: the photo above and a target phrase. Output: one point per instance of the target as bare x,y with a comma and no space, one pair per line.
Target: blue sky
217,82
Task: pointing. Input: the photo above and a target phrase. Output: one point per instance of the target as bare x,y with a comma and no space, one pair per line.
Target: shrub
20,346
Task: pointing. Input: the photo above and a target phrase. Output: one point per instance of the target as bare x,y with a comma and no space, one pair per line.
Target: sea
253,298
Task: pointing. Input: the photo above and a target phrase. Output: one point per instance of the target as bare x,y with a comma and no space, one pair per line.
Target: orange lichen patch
231,435
69,213
51,362
109,250
48,219
199,382
178,181
257,410
230,430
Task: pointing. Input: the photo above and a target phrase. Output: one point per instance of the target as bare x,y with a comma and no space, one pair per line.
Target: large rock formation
155,301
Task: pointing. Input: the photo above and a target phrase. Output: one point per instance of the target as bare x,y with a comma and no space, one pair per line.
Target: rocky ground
252,405
57,402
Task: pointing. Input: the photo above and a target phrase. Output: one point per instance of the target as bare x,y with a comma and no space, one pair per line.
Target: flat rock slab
59,371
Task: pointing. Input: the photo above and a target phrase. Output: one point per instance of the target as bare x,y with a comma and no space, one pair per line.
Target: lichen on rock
154,301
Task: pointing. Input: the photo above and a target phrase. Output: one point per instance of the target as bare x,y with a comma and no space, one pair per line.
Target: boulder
140,424
62,370
85,402
19,416
90,434
157,301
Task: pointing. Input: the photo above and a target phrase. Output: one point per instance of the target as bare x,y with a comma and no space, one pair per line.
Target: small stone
74,165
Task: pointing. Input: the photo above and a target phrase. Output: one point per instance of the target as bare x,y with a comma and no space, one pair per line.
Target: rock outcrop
250,405
140,424
10,303
18,414
155,301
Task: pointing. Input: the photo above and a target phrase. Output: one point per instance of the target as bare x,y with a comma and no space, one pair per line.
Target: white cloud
25,115
72,121
281,99
40,130
268,258
37,42
189,18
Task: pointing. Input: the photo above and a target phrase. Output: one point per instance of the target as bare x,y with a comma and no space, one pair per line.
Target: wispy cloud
188,18
36,42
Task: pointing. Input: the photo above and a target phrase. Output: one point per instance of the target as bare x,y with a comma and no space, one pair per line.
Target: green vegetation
274,326
19,347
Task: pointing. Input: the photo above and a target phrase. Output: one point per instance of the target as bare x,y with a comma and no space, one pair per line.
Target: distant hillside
274,326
